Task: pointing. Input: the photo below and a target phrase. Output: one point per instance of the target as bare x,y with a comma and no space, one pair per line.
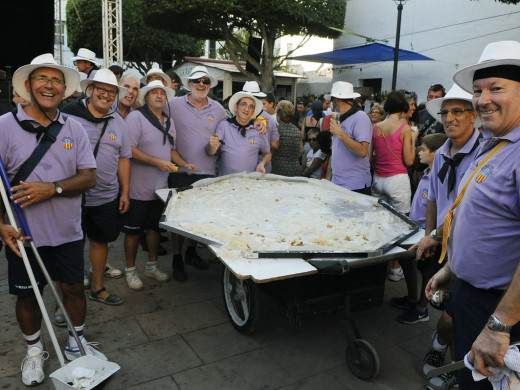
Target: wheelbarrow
64,377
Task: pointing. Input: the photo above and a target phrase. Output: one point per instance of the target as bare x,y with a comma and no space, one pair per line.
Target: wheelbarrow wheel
362,359
242,298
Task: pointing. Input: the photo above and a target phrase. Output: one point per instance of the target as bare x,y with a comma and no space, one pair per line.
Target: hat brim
170,93
22,74
464,77
259,106
434,106
346,96
86,82
84,59
198,75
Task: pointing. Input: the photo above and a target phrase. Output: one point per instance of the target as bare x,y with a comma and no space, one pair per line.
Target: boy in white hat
51,200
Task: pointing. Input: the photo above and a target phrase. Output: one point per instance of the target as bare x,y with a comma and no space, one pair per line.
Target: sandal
112,299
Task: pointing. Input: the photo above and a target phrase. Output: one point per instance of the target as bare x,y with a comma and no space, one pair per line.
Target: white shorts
395,190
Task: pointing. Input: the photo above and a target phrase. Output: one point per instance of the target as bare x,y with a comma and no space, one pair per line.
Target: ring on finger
29,197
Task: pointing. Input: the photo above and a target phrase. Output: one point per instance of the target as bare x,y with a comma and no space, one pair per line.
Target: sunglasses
312,139
457,112
204,80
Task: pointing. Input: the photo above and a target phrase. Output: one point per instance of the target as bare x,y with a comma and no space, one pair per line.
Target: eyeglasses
376,112
312,139
456,112
109,92
246,105
44,80
204,80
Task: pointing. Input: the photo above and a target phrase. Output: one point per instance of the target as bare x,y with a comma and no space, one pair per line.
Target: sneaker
132,279
433,359
191,257
396,274
32,366
112,272
59,318
152,270
403,303
90,350
444,381
413,316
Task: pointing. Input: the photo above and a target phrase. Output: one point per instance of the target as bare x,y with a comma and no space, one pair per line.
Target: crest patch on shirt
67,143
210,117
424,194
112,135
484,173
251,140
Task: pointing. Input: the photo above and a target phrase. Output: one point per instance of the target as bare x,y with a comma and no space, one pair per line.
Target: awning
373,52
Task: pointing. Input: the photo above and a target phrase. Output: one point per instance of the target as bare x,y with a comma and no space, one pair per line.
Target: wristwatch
433,234
495,324
57,189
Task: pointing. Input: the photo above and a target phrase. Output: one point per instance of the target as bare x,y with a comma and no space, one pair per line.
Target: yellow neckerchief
449,217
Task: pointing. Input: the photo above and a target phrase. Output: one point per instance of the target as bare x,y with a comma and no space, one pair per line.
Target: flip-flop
112,299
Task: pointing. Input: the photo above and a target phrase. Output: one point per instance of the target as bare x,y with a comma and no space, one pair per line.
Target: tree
142,44
268,20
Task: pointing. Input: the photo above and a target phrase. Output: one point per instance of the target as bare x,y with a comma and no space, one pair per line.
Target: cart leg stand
362,358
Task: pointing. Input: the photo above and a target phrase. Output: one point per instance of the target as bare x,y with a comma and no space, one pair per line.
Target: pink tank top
387,163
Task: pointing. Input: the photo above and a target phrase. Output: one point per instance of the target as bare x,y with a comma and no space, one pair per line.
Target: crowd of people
450,166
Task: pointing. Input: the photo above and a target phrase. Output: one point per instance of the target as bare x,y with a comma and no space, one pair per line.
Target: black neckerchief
241,128
355,108
42,132
453,163
78,108
152,118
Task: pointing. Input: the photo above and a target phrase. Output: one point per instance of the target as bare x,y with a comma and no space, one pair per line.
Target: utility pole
58,32
112,33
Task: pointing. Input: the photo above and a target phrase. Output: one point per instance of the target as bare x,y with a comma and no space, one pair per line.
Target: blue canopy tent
373,52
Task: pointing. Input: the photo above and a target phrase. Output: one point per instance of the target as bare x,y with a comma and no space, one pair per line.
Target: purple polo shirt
194,127
240,153
438,192
145,178
114,145
348,169
57,220
420,200
484,244
272,134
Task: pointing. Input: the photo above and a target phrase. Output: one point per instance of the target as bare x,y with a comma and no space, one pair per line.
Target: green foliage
142,44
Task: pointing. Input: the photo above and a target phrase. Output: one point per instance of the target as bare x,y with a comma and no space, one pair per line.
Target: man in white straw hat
459,119
109,198
152,137
49,193
352,135
156,74
241,142
86,63
483,236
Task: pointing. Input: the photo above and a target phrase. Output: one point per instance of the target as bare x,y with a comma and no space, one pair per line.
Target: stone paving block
317,382
151,361
251,371
219,342
180,319
165,383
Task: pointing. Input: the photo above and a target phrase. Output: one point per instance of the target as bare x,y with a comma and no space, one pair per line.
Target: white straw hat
170,93
494,54
259,106
198,72
44,61
455,93
104,76
253,88
343,90
86,55
144,79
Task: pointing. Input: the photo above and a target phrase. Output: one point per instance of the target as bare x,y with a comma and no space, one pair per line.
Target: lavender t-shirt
240,153
145,178
114,146
348,169
272,133
57,220
194,127
484,244
420,200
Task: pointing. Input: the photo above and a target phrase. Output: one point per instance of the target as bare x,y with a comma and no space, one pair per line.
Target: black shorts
142,215
63,262
179,180
101,223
